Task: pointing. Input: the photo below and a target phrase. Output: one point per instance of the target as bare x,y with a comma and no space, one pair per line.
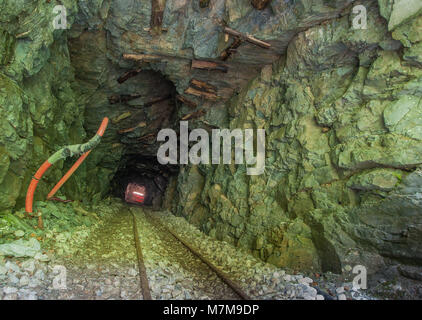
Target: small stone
3,270
19,233
39,275
340,290
306,281
342,297
287,278
33,283
29,266
132,272
13,279
24,281
42,257
320,297
12,266
9,290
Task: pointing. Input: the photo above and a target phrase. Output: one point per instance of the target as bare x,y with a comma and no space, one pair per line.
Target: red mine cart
135,193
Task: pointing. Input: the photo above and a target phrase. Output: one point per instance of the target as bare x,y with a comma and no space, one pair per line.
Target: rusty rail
146,293
222,275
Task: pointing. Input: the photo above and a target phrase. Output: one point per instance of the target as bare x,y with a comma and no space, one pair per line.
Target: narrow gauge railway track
170,236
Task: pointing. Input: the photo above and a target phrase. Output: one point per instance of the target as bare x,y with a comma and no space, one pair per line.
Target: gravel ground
100,263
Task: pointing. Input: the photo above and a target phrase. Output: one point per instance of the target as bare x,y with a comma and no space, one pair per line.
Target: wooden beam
127,75
208,65
231,49
260,4
141,57
139,125
193,115
157,13
201,85
203,94
186,101
247,38
157,100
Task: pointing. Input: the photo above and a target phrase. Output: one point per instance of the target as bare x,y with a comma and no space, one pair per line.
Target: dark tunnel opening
141,180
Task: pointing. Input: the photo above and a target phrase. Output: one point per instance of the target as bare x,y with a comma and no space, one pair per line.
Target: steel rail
222,275
146,293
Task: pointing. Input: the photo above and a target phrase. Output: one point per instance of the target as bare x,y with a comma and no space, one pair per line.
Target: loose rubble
100,263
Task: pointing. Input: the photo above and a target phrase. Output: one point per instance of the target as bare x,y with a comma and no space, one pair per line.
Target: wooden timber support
157,13
193,115
139,125
201,85
203,94
202,89
231,49
209,65
247,38
260,4
128,75
142,57
186,101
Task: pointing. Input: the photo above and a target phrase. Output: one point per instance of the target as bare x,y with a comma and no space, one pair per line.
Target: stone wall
342,114
39,110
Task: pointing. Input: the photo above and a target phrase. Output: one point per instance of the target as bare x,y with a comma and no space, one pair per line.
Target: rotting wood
193,115
201,85
157,14
142,57
203,94
121,117
139,125
123,98
129,74
147,136
186,101
22,35
231,49
260,4
247,38
209,65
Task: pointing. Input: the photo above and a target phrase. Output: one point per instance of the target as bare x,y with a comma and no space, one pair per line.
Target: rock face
342,185
341,108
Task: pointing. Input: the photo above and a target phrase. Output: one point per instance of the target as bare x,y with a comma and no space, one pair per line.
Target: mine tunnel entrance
141,180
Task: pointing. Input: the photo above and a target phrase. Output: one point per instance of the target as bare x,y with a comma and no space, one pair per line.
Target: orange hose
33,185
68,174
103,127
38,175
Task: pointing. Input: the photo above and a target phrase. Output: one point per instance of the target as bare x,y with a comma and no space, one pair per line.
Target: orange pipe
76,165
68,174
33,185
102,127
40,172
